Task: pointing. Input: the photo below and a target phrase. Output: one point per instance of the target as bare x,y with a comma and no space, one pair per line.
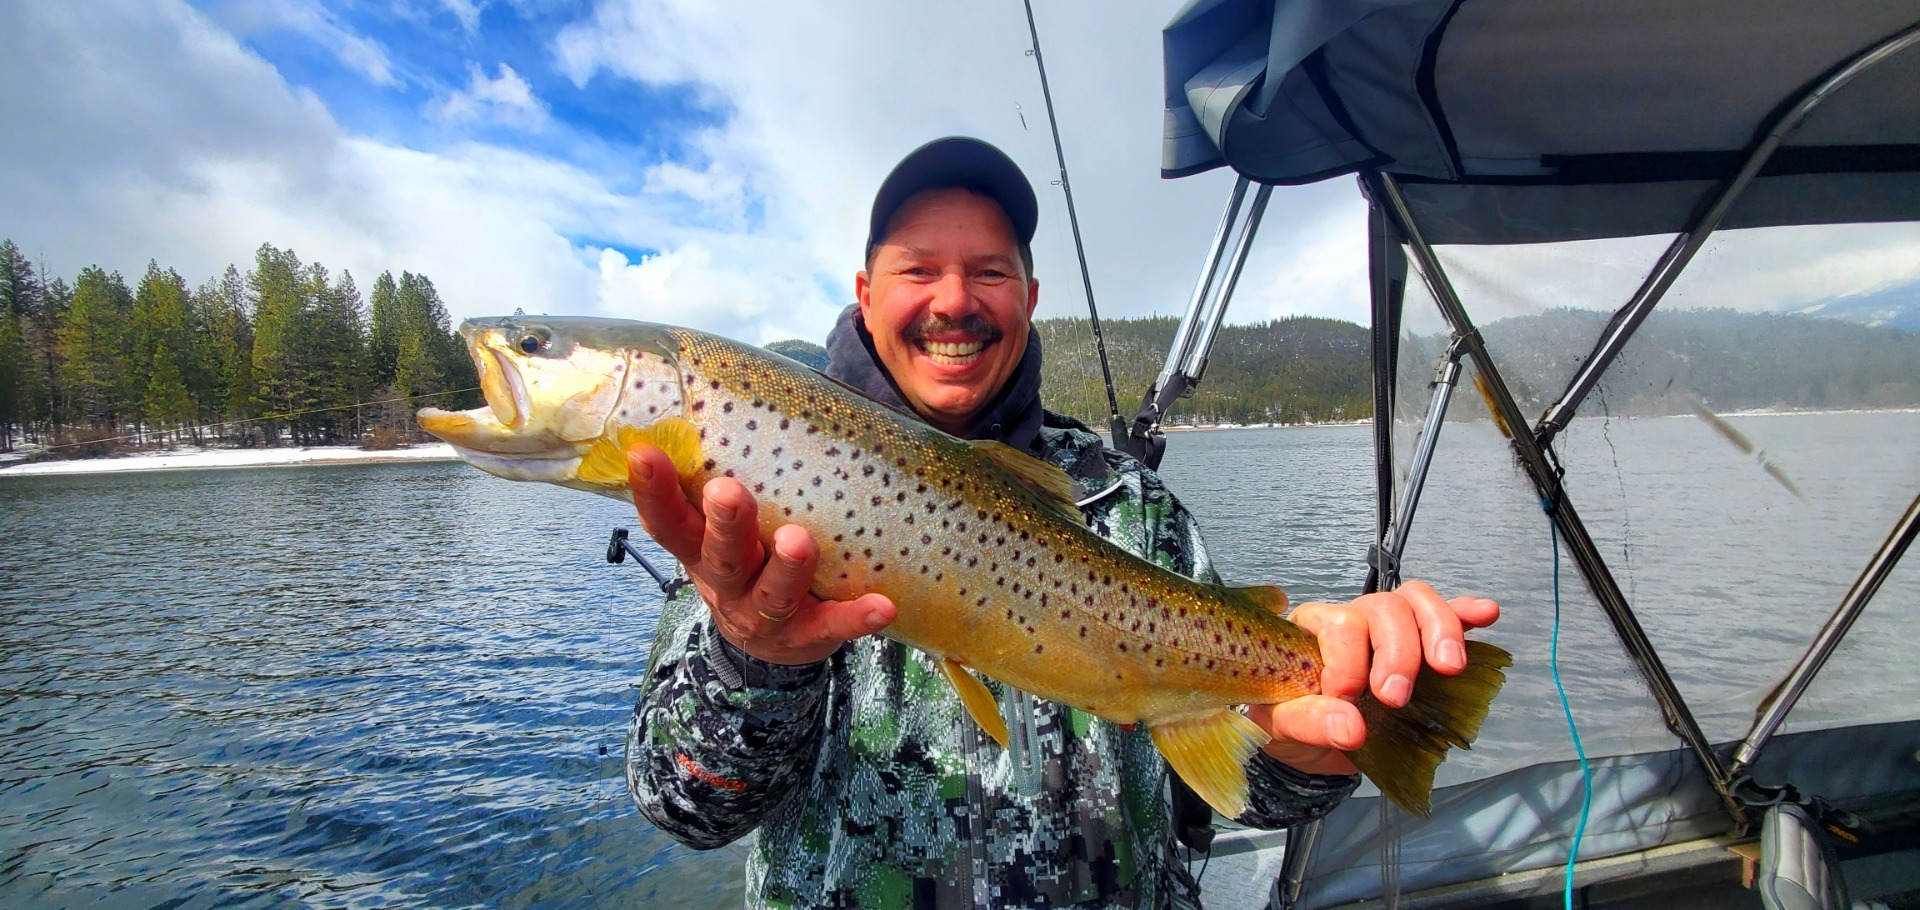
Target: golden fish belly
983,571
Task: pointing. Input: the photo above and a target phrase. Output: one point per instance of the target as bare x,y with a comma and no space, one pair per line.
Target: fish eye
532,344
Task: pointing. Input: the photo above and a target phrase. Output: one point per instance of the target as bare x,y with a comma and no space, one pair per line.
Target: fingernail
876,622
1396,690
1339,729
1451,654
642,469
720,510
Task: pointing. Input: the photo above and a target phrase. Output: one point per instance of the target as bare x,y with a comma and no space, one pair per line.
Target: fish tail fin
1210,753
1405,745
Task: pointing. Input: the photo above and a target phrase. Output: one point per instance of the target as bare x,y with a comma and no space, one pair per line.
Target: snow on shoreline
188,458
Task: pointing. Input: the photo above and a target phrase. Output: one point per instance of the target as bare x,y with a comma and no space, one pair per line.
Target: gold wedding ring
763,615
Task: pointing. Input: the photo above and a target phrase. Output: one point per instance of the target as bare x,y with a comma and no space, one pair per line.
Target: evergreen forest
286,352
290,353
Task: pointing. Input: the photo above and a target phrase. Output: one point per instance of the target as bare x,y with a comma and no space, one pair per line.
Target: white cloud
466,11
506,98
356,52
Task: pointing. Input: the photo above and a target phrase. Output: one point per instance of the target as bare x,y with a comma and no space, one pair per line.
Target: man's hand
760,601
1377,642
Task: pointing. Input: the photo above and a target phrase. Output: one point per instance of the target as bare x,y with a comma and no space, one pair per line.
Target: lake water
407,685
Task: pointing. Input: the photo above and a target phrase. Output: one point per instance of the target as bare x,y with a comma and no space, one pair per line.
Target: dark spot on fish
699,404
710,464
726,408
1038,648
879,447
879,566
784,423
900,496
867,471
972,561
745,451
753,424
725,441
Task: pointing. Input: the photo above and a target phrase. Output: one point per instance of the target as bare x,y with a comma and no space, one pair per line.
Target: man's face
948,303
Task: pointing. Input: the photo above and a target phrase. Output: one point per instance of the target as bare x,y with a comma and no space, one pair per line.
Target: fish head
555,386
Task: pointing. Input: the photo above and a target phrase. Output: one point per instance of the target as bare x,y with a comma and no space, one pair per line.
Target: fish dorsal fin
1263,597
605,463
1051,484
1210,753
980,704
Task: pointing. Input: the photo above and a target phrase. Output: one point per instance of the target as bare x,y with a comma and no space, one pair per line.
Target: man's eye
992,275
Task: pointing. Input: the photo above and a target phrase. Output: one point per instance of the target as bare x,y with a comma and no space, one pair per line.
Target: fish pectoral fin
1263,597
1051,484
1210,753
980,704
605,463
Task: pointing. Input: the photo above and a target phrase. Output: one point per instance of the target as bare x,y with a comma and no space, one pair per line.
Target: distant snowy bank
188,458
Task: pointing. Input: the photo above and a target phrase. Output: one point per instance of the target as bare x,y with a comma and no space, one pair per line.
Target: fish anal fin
1265,597
1051,484
1210,753
980,703
1405,745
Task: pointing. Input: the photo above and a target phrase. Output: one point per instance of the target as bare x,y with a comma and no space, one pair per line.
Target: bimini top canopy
1518,121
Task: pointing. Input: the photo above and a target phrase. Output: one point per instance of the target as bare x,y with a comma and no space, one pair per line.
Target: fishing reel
619,547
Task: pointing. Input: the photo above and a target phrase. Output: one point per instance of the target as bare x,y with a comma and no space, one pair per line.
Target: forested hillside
286,351
1296,370
1729,361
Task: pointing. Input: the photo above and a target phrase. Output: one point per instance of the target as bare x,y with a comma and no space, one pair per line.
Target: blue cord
1586,770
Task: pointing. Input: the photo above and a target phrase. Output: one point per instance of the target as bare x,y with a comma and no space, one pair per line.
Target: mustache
972,324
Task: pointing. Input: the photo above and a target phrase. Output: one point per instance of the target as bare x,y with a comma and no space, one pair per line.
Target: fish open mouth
507,409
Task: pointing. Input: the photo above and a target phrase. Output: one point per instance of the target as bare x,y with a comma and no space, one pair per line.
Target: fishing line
235,423
1553,661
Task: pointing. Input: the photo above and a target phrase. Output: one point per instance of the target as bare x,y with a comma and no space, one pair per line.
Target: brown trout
981,546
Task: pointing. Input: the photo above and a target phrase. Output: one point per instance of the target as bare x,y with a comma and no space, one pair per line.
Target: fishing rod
247,420
1114,423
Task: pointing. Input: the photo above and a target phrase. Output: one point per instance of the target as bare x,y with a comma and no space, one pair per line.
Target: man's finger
1475,612
1346,650
1442,635
730,554
788,574
665,513
836,621
1311,733
1397,651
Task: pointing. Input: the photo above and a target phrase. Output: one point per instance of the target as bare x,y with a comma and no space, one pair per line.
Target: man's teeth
953,352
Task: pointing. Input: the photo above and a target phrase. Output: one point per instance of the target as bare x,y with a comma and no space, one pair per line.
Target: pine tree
279,346
166,359
384,341
90,343
13,372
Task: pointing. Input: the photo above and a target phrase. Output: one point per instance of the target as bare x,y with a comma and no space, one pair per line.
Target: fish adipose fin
1210,753
980,704
605,463
1405,745
1051,484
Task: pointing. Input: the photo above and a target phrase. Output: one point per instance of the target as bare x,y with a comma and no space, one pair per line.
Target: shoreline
194,459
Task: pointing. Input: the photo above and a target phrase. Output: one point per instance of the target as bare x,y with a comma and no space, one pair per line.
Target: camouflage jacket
871,788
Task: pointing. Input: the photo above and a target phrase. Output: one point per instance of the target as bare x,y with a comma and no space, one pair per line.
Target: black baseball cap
963,162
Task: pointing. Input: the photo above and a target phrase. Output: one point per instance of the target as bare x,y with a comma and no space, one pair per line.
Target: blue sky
684,161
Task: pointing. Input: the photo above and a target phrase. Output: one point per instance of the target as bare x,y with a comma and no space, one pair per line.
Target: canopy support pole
1386,556
1545,473
1788,693
1627,319
1193,341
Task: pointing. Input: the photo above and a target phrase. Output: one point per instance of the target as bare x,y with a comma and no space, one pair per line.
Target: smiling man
768,709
